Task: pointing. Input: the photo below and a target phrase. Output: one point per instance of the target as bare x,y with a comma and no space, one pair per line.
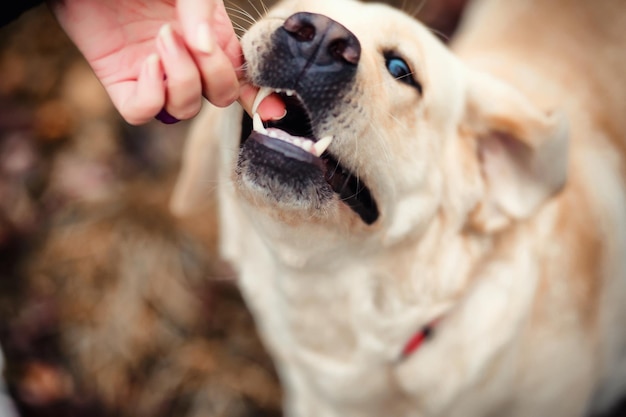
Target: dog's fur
502,217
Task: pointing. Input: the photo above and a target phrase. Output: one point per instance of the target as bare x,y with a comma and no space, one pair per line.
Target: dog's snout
312,55
321,40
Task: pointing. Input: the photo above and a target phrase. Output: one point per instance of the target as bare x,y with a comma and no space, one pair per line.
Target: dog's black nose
321,40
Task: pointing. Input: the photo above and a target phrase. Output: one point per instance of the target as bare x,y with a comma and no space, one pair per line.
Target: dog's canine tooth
321,145
261,95
290,93
258,124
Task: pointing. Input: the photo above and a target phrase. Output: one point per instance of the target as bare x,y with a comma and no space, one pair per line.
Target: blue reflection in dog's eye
398,68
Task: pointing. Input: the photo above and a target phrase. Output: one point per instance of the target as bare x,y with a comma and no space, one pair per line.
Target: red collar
415,342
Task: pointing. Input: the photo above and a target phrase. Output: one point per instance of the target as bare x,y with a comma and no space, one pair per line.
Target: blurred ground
108,305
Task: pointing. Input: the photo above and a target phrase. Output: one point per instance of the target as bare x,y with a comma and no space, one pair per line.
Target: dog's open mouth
292,137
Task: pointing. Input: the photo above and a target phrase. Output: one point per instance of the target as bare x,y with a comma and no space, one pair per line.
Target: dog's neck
393,293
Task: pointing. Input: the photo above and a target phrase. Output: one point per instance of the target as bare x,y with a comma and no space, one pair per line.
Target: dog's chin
282,166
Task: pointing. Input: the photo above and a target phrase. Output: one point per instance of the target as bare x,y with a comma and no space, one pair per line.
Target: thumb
271,108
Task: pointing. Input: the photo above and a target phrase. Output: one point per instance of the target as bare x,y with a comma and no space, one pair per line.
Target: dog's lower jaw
288,183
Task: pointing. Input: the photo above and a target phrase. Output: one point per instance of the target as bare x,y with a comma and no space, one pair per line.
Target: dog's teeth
304,144
261,95
290,93
321,145
314,148
258,124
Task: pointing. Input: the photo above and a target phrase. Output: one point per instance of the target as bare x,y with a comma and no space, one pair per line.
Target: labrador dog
430,231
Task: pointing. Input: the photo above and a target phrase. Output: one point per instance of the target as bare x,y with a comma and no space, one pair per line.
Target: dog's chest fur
337,331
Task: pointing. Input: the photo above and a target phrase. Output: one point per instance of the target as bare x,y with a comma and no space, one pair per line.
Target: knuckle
184,82
186,109
138,113
187,113
224,98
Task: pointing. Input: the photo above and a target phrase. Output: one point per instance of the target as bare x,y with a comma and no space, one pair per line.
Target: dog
429,230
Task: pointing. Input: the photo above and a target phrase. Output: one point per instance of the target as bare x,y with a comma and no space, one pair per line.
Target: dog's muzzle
314,56
311,61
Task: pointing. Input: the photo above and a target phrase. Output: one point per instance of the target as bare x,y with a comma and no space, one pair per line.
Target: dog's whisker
335,170
399,122
264,6
255,9
439,34
403,7
242,68
359,186
241,16
388,81
410,74
384,146
418,9
241,21
250,15
345,184
239,27
232,6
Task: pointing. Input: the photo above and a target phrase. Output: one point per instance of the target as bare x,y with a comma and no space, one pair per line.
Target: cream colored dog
429,233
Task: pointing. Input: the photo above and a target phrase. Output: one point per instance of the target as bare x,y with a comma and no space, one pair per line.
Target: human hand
154,55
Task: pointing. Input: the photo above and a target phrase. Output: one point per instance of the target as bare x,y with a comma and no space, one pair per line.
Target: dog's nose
321,40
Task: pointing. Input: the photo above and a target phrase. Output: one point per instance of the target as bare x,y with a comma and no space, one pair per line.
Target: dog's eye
400,70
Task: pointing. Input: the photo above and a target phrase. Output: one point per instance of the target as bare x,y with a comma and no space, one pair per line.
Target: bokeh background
109,306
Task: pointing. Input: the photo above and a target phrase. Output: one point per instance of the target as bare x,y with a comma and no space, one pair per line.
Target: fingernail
277,118
166,34
204,38
151,66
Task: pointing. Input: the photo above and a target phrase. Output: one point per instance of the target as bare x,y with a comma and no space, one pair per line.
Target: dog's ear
522,151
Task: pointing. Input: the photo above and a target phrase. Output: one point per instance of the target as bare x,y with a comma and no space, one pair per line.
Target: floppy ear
522,151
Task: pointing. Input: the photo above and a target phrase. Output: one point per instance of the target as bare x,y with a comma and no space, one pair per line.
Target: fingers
168,84
139,100
247,94
271,108
183,85
215,48
194,16
210,37
202,60
219,81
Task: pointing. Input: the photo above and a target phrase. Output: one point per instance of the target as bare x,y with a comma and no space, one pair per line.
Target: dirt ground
108,305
